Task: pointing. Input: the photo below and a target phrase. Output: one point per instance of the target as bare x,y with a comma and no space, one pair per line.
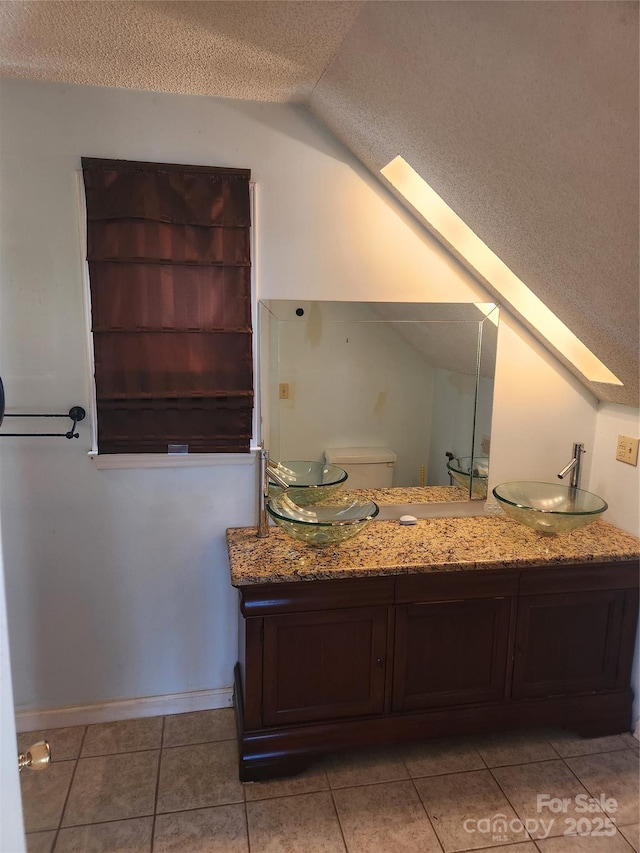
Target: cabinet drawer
450,586
324,665
296,597
581,578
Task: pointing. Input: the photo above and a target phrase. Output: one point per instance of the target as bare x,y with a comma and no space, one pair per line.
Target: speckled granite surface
410,495
431,545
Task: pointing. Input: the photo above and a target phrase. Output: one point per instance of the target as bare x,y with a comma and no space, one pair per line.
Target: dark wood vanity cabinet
452,638
568,643
450,652
324,664
328,665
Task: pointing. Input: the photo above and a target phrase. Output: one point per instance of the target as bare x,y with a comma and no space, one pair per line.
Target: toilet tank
367,467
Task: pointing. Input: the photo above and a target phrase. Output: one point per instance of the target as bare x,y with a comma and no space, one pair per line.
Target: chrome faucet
267,472
574,467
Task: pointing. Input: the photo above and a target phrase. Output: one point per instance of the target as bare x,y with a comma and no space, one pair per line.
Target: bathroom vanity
450,626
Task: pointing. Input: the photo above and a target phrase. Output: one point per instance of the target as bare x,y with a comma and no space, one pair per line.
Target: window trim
111,461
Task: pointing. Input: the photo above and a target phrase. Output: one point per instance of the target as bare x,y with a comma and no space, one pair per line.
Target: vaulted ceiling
523,116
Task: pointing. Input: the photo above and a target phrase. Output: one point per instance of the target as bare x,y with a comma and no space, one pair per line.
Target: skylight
452,231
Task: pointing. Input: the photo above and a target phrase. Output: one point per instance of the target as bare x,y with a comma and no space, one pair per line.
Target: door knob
37,757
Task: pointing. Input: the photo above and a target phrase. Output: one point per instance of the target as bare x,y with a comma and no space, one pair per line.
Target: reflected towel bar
76,413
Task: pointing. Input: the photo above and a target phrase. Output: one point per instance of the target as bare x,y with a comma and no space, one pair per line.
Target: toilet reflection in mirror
402,384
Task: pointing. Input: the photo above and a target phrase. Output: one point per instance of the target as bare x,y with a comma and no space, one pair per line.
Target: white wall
117,581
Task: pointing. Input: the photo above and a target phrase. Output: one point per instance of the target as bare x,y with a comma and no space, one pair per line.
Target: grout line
589,754
553,748
421,801
337,814
575,775
246,823
624,838
157,791
66,799
506,796
479,769
245,803
482,758
592,793
424,808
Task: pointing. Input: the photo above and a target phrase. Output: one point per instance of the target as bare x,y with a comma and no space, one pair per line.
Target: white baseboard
127,709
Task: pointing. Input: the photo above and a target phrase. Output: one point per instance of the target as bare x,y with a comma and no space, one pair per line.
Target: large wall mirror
415,378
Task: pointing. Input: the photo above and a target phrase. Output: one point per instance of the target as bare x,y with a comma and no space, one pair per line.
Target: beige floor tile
195,777
304,824
524,783
630,741
112,787
199,727
219,830
43,795
568,745
632,834
614,774
384,818
584,844
465,809
121,836
436,757
123,736
519,747
312,779
365,767
65,743
522,847
40,842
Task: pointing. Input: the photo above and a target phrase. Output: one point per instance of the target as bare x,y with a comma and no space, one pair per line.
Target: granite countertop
431,545
409,495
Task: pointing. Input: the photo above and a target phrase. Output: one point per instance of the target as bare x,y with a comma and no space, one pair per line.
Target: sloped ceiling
523,116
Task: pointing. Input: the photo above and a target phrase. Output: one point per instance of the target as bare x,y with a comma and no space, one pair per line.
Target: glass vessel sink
330,524
460,470
549,507
309,482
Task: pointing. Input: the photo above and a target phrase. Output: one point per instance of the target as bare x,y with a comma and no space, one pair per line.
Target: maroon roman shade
168,249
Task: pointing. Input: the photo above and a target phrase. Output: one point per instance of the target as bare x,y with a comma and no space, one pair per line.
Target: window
168,249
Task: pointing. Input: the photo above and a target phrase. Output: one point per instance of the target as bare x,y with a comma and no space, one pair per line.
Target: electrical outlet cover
627,450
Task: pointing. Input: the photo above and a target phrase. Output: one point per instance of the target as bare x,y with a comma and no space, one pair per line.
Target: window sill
106,461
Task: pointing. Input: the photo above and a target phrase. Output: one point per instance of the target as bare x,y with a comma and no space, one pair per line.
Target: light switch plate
627,450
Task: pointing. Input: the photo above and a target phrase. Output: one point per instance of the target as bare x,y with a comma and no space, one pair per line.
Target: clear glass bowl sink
460,470
309,482
322,525
549,507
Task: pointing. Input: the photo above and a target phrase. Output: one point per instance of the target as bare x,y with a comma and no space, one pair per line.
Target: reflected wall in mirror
415,378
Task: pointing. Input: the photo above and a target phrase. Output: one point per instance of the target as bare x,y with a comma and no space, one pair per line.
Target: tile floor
170,785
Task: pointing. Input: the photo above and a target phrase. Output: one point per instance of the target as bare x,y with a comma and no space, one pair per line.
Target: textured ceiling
263,51
523,116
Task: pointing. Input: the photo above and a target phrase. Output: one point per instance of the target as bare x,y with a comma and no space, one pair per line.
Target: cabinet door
567,643
450,652
324,664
